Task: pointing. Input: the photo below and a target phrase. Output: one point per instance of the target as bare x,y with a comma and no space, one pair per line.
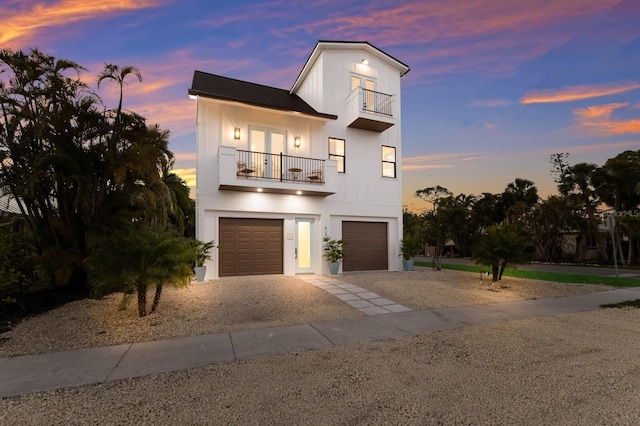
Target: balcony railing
280,167
379,103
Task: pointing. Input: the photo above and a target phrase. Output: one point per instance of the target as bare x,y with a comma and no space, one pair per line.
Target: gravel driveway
581,368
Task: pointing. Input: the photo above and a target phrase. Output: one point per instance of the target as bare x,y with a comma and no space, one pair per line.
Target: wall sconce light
236,133
296,141
365,61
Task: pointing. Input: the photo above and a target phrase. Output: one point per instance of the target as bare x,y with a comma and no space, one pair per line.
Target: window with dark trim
337,152
388,161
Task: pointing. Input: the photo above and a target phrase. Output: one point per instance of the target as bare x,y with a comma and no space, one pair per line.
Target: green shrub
18,261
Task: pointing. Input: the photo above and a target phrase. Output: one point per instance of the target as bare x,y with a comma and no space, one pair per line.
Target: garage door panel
366,246
250,246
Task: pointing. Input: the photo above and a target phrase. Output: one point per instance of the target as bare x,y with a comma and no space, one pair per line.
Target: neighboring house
581,247
10,215
278,170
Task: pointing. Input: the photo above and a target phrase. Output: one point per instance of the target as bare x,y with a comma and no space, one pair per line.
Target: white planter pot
334,267
407,265
200,273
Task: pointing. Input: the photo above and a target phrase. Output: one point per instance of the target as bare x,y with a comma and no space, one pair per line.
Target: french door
270,143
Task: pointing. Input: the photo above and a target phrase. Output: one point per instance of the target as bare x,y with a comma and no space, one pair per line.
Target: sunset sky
495,87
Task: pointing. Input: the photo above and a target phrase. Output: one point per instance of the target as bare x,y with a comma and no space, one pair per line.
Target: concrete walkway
357,297
35,373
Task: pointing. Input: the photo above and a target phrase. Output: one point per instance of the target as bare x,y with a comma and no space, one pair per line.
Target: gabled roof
346,45
229,89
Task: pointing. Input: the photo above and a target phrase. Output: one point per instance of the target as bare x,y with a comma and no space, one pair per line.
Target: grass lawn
545,276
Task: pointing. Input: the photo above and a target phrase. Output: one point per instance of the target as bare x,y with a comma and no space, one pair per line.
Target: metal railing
377,102
285,168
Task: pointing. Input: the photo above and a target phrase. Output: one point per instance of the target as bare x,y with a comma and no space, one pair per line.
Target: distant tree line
103,210
517,225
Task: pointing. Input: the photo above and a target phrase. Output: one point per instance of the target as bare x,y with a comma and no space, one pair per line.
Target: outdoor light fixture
259,189
236,133
365,61
296,141
299,192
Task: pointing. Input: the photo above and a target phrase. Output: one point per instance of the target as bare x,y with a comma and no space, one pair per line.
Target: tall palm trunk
495,270
142,300
156,298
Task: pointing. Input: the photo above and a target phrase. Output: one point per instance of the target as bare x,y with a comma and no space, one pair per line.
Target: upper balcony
276,173
370,110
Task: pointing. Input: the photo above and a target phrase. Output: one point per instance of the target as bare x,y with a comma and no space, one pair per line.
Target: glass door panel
257,146
277,147
304,246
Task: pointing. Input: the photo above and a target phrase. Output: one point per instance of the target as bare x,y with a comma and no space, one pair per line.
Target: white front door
304,250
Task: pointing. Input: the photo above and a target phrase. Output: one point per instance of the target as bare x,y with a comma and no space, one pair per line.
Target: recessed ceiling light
259,189
299,192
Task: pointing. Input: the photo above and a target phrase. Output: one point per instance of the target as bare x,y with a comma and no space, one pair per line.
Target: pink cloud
19,25
568,94
438,161
598,120
425,22
175,115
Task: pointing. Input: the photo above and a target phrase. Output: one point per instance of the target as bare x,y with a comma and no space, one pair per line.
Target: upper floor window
388,161
337,152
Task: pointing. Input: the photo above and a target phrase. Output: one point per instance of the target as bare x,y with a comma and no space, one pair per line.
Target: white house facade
278,170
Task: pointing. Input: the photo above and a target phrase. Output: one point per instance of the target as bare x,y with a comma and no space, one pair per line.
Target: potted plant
333,253
202,252
409,248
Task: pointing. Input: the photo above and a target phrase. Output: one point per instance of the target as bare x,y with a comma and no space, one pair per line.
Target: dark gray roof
229,89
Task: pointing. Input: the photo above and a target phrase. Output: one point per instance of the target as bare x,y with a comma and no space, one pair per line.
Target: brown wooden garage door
250,246
366,246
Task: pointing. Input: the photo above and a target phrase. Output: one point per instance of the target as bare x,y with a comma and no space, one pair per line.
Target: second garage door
366,246
250,246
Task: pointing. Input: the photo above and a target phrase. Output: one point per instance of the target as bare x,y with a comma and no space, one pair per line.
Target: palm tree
500,246
547,223
518,198
118,74
73,168
577,182
139,259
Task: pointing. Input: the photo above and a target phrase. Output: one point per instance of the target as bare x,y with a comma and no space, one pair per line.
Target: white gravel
256,302
571,369
223,305
576,369
427,289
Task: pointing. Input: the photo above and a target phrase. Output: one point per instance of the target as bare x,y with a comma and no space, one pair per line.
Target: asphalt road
546,267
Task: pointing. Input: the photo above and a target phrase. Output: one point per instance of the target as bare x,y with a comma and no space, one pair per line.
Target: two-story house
278,170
